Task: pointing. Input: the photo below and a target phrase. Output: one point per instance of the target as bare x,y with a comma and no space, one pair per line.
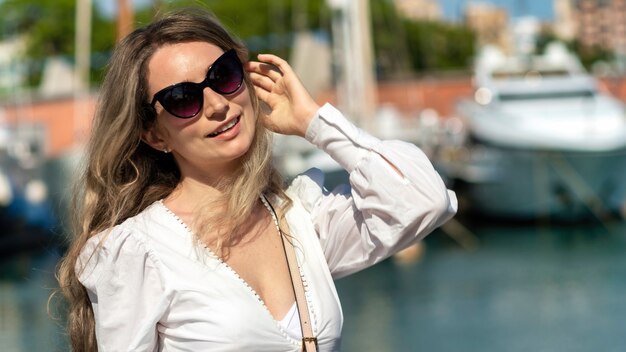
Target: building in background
419,9
565,25
491,24
599,23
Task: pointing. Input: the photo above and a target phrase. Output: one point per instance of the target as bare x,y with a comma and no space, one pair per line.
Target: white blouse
152,288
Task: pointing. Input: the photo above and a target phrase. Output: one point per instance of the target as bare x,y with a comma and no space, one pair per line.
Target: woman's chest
211,303
261,264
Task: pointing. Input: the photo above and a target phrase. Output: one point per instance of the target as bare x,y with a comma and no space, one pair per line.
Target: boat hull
559,184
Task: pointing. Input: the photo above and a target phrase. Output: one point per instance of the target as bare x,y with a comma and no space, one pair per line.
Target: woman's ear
154,138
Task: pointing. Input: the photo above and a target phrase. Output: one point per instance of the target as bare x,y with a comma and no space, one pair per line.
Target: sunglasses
185,100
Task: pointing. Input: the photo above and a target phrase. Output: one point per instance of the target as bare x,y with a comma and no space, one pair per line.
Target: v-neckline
233,272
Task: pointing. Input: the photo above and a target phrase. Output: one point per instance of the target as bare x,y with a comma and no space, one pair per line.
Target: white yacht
542,139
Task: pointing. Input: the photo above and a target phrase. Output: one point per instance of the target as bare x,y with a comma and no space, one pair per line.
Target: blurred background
518,103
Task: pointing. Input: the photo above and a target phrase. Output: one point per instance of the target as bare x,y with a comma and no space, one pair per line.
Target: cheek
245,102
170,126
249,107
243,99
160,130
167,133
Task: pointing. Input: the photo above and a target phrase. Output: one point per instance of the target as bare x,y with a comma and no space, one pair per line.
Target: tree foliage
389,39
266,25
400,45
588,55
439,46
49,29
50,26
404,45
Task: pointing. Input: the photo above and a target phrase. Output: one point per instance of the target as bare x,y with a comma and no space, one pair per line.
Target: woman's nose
214,103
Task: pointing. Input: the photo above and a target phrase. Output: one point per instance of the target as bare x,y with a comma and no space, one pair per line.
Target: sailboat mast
124,18
82,53
82,56
365,86
356,92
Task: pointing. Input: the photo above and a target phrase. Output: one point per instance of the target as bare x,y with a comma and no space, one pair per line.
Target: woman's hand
275,83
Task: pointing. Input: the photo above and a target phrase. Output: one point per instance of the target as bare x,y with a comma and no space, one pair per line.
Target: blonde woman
178,246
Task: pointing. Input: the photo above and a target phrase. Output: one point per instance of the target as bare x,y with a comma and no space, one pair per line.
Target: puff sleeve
385,209
126,290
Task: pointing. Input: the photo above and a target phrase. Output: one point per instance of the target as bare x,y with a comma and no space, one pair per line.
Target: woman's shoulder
134,228
311,178
309,188
116,245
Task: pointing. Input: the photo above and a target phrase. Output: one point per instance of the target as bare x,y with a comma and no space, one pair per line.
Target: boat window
504,75
546,95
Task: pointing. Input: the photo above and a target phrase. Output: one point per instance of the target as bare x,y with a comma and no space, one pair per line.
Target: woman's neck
189,200
190,193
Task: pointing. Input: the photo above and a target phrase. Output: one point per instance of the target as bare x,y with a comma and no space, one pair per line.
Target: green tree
590,55
438,45
404,45
265,25
400,45
389,40
49,27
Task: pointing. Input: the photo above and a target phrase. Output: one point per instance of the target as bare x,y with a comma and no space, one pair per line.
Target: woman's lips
225,128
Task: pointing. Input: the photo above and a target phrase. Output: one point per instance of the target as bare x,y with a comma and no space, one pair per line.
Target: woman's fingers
264,69
262,94
262,81
280,63
277,85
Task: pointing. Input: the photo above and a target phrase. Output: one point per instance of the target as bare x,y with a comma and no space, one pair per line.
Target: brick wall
441,95
67,122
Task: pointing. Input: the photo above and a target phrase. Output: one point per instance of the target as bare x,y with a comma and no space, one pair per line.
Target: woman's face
210,143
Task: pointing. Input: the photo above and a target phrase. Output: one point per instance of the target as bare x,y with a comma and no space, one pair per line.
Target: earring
166,150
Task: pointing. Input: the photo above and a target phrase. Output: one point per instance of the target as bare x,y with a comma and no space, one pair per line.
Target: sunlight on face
210,142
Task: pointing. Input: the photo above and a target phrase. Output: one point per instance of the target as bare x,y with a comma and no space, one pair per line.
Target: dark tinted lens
183,100
226,74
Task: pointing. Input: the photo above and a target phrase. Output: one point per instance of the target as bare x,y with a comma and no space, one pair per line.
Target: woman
177,246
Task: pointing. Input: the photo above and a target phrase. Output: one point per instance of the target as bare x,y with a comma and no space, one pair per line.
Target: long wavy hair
122,175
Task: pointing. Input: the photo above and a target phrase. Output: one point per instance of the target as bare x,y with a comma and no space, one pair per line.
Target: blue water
522,288
26,282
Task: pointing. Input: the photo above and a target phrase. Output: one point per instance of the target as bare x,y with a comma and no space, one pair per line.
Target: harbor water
520,288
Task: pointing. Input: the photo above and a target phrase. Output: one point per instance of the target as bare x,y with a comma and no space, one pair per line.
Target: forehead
174,63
